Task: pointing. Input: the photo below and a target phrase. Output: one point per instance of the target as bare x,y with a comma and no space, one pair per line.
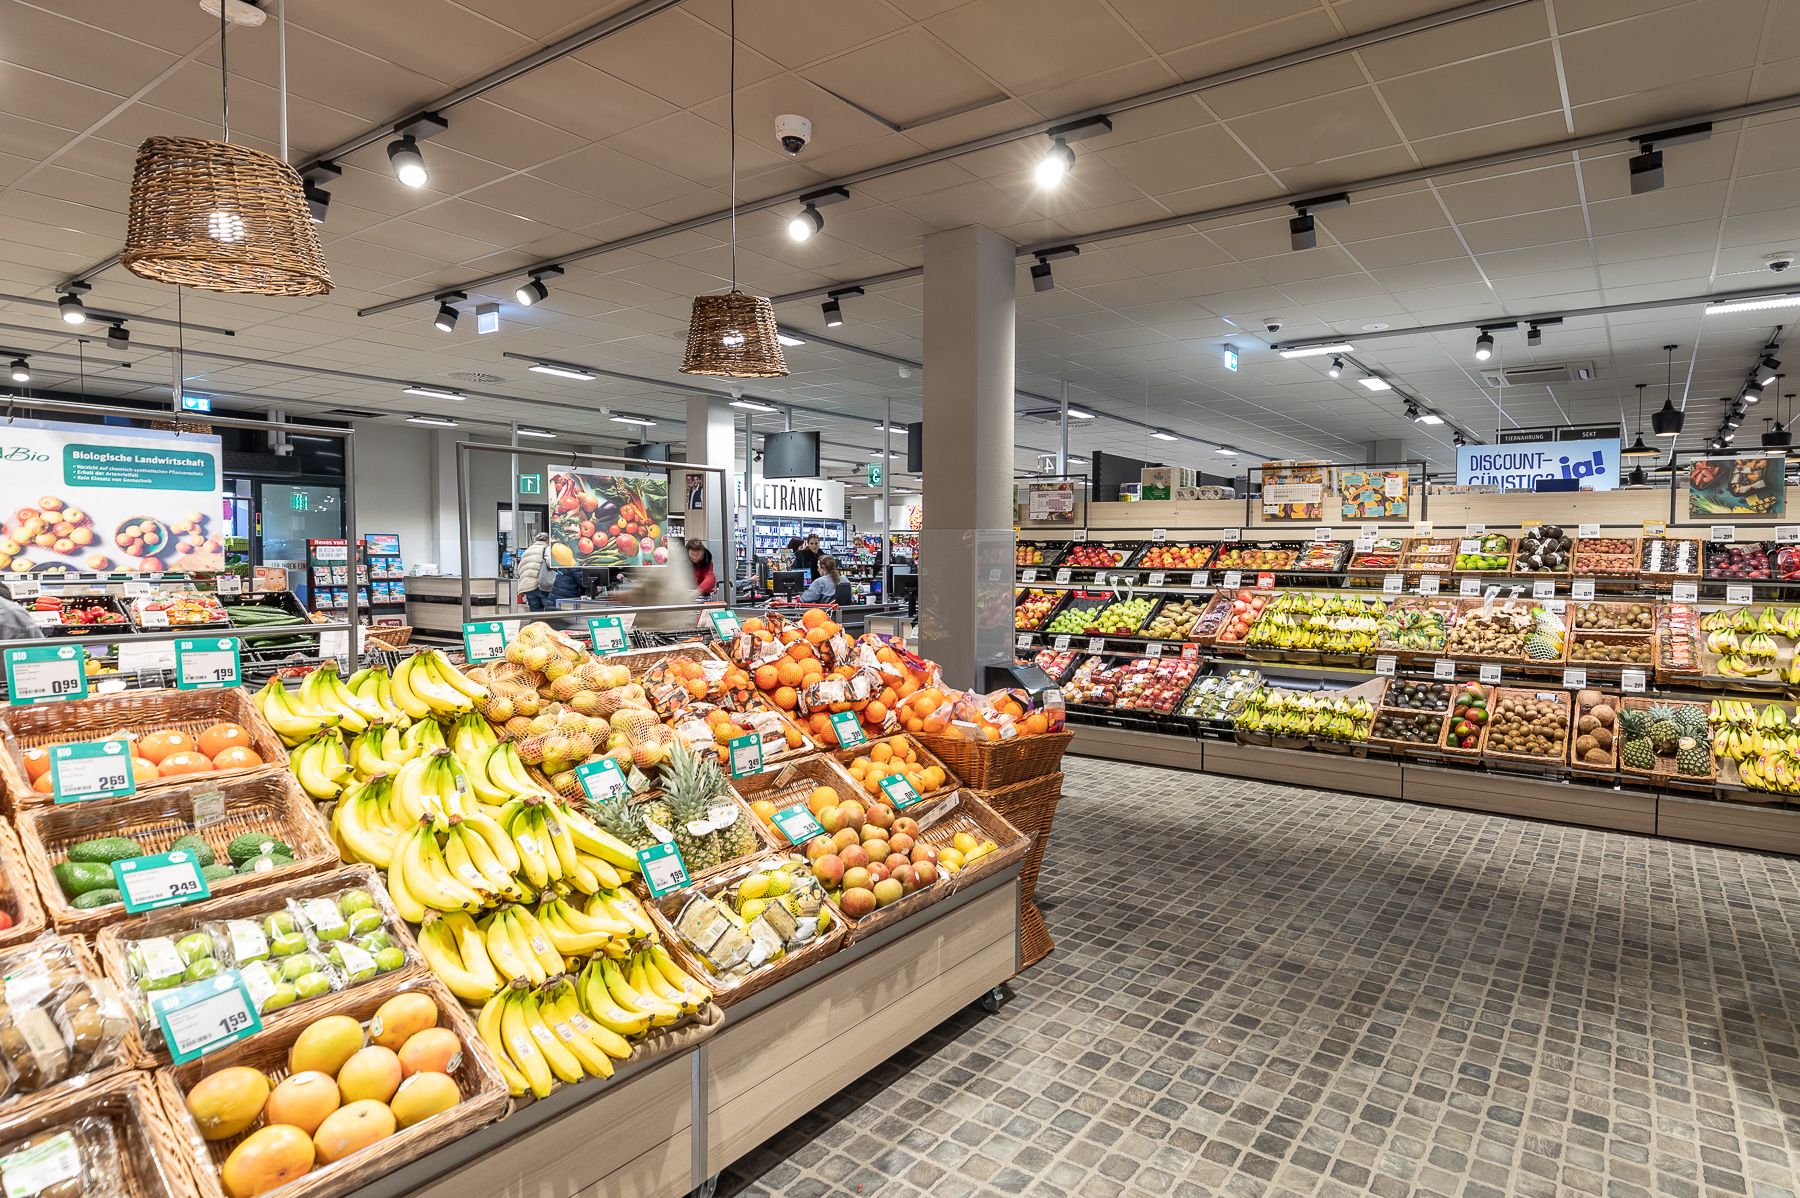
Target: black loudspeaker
915,447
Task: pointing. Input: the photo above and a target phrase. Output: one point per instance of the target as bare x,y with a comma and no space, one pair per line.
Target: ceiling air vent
477,377
1539,376
352,414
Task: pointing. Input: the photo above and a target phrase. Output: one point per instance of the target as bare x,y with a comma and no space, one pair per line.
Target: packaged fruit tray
78,615
1383,556
1465,727
1095,682
180,609
1322,557
1665,748
263,934
1677,639
1056,663
1220,696
1669,557
1033,608
1489,553
261,831
1787,563
1175,555
66,1024
137,714
1259,555
119,1131
1416,626
1528,728
1613,615
670,914
1605,555
224,1088
1154,684
1242,608
1613,650
1543,549
1738,561
1096,555
1217,615
1595,748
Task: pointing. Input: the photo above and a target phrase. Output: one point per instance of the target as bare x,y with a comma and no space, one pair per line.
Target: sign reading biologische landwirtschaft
1593,465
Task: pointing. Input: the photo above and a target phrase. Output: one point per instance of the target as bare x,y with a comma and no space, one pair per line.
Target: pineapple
1692,721
1634,722
1664,734
1637,754
1692,759
739,840
618,816
690,784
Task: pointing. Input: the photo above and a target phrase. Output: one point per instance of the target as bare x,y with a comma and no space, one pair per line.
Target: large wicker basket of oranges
900,755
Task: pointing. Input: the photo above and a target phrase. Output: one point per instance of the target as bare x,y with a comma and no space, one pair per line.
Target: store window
292,515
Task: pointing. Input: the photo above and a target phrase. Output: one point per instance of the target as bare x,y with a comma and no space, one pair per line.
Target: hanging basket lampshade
224,217
732,336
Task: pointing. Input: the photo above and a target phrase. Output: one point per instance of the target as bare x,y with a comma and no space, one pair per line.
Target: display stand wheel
994,999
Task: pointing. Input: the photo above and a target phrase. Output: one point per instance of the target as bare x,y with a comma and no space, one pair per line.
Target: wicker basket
1664,774
793,783
727,991
112,942
1498,695
732,336
130,1049
388,638
966,812
130,713
992,764
926,758
268,802
642,661
152,1154
18,892
484,1095
1594,769
1577,641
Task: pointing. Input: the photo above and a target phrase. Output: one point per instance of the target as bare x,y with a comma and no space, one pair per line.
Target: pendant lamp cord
732,103
224,74
281,50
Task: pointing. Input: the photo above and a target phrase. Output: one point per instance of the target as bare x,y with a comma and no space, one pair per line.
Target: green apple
364,920
352,901
193,946
283,995
287,944
279,924
390,959
311,985
203,967
301,964
374,942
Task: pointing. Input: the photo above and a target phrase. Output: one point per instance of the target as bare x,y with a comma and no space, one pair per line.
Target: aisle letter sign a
45,674
483,640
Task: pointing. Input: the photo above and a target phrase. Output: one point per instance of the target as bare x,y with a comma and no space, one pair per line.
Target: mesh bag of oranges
1001,715
897,755
676,683
706,725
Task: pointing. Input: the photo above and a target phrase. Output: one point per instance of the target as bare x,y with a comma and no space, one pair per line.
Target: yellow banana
494,873
481,824
447,675
558,1003
487,1026
590,838
661,1014
567,941
291,724
605,876
520,1045
603,922
558,832
404,697
646,978
506,770
501,950
428,876
462,866
622,904
481,783
538,941
600,1005
405,902
360,828
678,977
470,981
534,853
562,1062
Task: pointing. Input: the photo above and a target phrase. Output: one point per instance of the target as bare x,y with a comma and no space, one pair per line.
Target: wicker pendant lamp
220,216
732,336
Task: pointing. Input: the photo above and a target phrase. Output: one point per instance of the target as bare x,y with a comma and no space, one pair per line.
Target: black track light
531,292
70,306
834,313
318,201
445,321
1647,164
21,371
1337,366
1055,165
1646,172
1041,278
408,163
1484,346
1303,232
1765,370
1752,393
118,336
1534,336
803,226
1457,439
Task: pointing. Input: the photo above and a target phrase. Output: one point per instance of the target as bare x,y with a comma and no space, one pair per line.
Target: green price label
899,791
746,755
93,769
663,868
797,824
602,779
725,624
483,640
848,729
205,1016
160,880
208,663
45,674
608,633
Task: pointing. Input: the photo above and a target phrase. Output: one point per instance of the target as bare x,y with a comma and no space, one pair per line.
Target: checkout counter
434,602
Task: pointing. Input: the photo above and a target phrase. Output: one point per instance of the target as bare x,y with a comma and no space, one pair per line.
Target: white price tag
1687,592
1725,534
1393,584
1201,578
1153,650
1468,545
1024,640
1159,534
1231,534
1788,534
1365,541
1079,534
1543,588
1490,674
1631,681
48,618
1738,595
25,588
1321,534
1469,588
1234,578
1587,531
1029,574
1062,575
135,587
1575,677
208,807
1443,670
1061,642
1096,644
1429,584
145,655
228,584
1582,588
153,618
1156,578
1384,665
1422,528
1474,530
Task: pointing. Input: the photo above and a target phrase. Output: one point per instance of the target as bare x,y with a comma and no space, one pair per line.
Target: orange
859,767
37,763
767,678
800,650
813,618
1036,724
43,784
237,757
222,736
158,745
880,751
785,698
933,778
142,771
793,737
697,687
789,672
915,724
818,635
176,764
898,746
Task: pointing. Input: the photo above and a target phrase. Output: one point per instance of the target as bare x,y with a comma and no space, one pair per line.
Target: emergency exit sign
531,484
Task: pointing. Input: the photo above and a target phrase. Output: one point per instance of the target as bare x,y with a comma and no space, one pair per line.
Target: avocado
203,852
104,897
263,862
79,877
244,847
217,873
105,850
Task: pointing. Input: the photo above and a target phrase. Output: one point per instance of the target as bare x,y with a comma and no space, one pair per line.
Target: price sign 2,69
95,769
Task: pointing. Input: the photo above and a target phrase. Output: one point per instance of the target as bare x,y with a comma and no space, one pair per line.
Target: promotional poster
1593,465
608,518
1737,486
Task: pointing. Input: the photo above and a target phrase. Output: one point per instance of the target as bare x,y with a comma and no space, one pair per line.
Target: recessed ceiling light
1162,435
545,434
788,341
1075,461
564,372
1374,326
1317,351
423,391
1428,418
1726,307
1375,384
1080,414
1226,451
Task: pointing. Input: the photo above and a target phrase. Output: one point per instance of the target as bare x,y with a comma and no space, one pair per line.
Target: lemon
753,887
779,884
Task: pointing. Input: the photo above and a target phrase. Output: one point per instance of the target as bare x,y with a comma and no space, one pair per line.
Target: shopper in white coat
536,574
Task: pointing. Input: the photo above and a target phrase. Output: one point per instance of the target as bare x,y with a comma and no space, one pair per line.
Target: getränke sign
806,498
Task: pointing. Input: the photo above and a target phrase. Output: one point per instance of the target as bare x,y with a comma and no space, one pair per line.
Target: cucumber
79,877
105,850
250,844
104,897
202,851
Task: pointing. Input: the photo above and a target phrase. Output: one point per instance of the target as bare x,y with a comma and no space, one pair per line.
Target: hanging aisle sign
806,498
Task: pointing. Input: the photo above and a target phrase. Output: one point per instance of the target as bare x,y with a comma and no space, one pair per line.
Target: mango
401,1017
268,1159
303,1101
352,1128
423,1095
325,1045
374,1073
226,1103
434,1050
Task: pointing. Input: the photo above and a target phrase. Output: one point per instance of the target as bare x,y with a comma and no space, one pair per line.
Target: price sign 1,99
207,663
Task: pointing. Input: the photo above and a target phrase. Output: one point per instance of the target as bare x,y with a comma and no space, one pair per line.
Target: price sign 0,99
94,769
602,780
45,674
847,727
160,880
206,1015
483,640
797,824
899,791
207,663
746,755
663,868
608,633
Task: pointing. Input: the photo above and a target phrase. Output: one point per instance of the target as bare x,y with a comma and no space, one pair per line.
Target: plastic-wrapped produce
58,1021
79,1159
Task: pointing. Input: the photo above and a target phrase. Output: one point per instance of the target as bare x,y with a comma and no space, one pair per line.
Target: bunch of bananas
1747,733
1778,773
321,766
294,720
427,684
477,957
572,1027
1301,713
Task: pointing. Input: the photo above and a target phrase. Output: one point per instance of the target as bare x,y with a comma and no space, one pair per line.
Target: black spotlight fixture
69,304
1752,393
1303,231
118,336
809,221
1647,164
833,305
1457,439
1041,278
1534,336
535,290
1484,346
445,320
1337,366
21,371
1765,370
403,152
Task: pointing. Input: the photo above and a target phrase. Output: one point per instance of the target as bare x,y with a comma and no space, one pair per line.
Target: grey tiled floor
1260,990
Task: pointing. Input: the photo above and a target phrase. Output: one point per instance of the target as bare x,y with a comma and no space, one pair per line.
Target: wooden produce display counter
434,602
662,1129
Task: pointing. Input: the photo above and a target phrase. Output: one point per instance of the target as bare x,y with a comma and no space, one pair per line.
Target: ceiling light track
102,316
1175,91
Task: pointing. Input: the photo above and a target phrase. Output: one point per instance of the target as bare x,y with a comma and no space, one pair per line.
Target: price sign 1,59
206,1016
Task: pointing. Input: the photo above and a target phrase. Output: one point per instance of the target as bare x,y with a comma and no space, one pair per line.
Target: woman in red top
701,558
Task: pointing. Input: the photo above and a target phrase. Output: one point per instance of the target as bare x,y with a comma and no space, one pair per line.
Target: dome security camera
1272,323
1780,260
794,132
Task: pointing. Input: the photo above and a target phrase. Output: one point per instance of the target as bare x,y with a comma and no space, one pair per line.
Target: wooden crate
152,1153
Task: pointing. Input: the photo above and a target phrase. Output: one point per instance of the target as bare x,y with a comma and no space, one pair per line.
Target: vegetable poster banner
1746,486
602,518
94,498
